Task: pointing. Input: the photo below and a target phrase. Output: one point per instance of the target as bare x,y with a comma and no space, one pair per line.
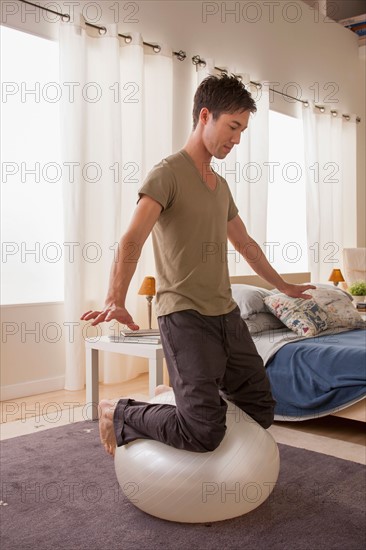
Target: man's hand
111,313
297,291
252,253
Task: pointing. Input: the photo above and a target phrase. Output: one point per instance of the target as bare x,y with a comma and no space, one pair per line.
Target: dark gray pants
207,358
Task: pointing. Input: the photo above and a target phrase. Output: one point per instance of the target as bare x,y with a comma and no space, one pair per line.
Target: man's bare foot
106,428
162,389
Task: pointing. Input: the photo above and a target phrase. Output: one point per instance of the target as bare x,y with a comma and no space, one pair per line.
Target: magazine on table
140,332
143,336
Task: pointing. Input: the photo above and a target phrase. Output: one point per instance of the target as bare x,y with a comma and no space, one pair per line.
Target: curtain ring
102,31
196,60
181,55
65,17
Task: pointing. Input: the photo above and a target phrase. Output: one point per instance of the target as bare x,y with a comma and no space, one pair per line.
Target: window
31,186
286,247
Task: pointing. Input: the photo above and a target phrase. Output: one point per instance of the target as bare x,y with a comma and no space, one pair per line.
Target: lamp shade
148,287
336,276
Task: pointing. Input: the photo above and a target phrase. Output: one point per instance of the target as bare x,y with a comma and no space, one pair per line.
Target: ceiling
344,9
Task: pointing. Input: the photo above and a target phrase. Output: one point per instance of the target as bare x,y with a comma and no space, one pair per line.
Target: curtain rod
197,60
181,56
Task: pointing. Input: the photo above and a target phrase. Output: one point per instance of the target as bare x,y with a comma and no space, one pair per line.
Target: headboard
255,280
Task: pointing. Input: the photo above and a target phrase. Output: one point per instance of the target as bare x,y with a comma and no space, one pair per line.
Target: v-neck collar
191,161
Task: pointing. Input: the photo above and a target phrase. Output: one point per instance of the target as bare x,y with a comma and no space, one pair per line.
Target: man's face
219,136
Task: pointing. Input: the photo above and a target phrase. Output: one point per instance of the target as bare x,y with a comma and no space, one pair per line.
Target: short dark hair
221,94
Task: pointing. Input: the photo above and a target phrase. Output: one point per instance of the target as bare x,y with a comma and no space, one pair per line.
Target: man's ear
204,115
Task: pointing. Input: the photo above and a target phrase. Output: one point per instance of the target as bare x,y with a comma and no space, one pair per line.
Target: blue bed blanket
317,376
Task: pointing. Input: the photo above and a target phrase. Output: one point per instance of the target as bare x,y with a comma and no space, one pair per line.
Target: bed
310,376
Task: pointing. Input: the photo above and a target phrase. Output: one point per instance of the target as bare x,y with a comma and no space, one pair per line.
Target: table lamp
148,289
336,277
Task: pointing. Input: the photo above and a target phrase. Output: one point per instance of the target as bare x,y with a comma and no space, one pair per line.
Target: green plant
358,288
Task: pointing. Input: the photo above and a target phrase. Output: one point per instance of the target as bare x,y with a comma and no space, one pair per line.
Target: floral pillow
338,307
327,309
331,288
304,317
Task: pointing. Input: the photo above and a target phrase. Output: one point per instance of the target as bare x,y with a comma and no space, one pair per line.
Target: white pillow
249,299
260,322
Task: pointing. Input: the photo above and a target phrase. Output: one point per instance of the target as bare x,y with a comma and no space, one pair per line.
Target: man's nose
236,138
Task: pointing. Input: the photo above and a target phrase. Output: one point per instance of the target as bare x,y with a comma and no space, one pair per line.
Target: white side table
153,352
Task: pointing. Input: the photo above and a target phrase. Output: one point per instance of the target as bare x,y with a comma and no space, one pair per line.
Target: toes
110,449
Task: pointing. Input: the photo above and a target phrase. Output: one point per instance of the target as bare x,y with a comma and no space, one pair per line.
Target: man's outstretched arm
253,254
144,218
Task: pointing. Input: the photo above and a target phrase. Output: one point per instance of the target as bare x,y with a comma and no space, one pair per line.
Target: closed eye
236,127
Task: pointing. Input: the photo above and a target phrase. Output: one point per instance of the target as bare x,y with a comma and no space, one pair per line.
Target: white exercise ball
190,487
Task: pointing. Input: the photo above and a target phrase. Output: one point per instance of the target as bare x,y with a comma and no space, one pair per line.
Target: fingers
122,316
84,315
305,288
303,295
99,318
300,291
115,314
132,326
118,314
90,315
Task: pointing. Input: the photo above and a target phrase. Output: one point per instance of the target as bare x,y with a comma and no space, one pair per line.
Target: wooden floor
45,403
331,435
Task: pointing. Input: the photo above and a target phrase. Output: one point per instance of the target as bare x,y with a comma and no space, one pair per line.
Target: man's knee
267,422
212,438
266,418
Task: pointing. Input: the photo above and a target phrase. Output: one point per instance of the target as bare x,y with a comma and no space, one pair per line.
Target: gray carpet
59,492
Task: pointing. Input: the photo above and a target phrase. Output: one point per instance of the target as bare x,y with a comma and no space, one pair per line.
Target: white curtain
245,170
330,160
116,124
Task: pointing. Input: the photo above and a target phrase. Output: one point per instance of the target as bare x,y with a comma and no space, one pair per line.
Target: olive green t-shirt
190,238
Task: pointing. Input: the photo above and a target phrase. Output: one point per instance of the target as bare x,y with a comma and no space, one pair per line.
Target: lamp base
149,309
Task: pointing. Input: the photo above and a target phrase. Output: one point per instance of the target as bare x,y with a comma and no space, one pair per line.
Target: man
208,349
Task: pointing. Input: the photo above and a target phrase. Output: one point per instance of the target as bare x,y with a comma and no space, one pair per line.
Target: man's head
221,94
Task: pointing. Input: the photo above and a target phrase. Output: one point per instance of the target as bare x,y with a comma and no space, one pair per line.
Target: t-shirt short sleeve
233,209
160,185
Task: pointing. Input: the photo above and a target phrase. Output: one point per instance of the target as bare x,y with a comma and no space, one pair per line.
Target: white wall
32,349
312,52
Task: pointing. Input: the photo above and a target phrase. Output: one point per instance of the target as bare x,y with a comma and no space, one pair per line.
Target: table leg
92,383
155,373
